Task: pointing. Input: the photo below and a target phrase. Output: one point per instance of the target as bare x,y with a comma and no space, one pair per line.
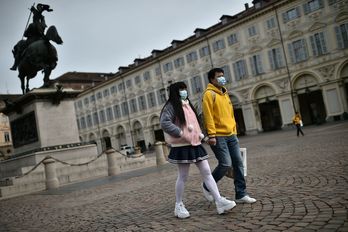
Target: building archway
121,135
139,135
106,140
158,132
310,99
269,109
238,115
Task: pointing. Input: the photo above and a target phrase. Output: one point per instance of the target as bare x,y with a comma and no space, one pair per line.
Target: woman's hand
212,141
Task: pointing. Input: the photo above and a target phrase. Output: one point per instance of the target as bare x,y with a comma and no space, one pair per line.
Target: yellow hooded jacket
218,112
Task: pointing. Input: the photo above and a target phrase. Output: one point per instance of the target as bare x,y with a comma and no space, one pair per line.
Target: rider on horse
34,32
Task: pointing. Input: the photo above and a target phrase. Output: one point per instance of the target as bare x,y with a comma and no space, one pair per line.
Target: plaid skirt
187,154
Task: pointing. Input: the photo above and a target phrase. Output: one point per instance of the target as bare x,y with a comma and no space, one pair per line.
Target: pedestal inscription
24,130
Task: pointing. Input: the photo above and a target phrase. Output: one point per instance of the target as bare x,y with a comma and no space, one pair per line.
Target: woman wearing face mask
179,122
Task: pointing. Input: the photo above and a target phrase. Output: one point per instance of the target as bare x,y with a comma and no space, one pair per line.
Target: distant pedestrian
182,131
297,121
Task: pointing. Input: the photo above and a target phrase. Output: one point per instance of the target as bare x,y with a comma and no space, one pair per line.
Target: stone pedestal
43,118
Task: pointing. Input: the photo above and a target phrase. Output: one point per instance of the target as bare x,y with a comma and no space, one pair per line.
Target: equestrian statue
36,52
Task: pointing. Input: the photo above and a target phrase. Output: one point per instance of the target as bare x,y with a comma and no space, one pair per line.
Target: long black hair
175,100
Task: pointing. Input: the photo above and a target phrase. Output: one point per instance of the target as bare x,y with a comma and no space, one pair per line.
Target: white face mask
183,94
221,81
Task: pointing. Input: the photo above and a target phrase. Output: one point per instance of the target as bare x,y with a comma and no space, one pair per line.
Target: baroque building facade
278,57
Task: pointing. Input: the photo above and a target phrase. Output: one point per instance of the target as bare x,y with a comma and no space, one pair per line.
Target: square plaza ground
301,184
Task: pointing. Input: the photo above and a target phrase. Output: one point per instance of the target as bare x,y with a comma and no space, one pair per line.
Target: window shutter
305,52
279,57
291,52
339,37
259,63
314,47
235,71
245,70
322,41
306,8
252,64
271,61
298,13
285,17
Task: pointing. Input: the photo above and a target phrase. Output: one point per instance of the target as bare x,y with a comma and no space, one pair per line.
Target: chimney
246,6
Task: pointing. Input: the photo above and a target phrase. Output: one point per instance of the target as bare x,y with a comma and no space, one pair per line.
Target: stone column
51,174
160,160
165,151
113,168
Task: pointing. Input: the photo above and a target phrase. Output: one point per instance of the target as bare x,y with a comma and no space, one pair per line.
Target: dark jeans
227,153
299,130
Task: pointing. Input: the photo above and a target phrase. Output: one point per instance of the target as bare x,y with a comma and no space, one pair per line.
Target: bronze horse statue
38,55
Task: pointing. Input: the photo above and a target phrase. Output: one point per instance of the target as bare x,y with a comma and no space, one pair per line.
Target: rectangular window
120,86
275,58
161,95
252,31
151,99
204,51
83,122
192,56
342,35
125,110
86,101
291,14
158,71
89,121
99,95
7,137
179,62
218,45
109,115
102,116
313,5
196,85
232,39
137,80
147,76
298,51
113,89
271,23
168,67
142,102
129,83
318,44
106,92
117,111
133,105
240,70
227,73
95,119
79,104
256,64
92,98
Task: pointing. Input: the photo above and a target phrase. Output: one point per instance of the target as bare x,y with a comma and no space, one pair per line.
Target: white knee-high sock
183,172
208,179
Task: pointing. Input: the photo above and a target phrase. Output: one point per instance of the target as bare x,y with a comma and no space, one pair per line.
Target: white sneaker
180,211
223,205
246,199
207,194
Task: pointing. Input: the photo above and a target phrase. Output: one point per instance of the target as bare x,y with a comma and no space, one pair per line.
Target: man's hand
212,141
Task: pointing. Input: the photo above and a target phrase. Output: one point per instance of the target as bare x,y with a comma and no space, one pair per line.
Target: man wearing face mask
222,132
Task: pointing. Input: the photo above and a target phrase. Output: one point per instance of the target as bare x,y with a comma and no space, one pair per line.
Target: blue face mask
183,94
221,81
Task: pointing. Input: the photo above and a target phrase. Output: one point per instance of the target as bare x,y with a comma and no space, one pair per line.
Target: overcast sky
102,35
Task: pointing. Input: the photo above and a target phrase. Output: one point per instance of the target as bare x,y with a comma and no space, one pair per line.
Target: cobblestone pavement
301,185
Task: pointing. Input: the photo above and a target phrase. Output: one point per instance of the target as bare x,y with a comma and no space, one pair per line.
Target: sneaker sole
243,202
229,207
176,215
